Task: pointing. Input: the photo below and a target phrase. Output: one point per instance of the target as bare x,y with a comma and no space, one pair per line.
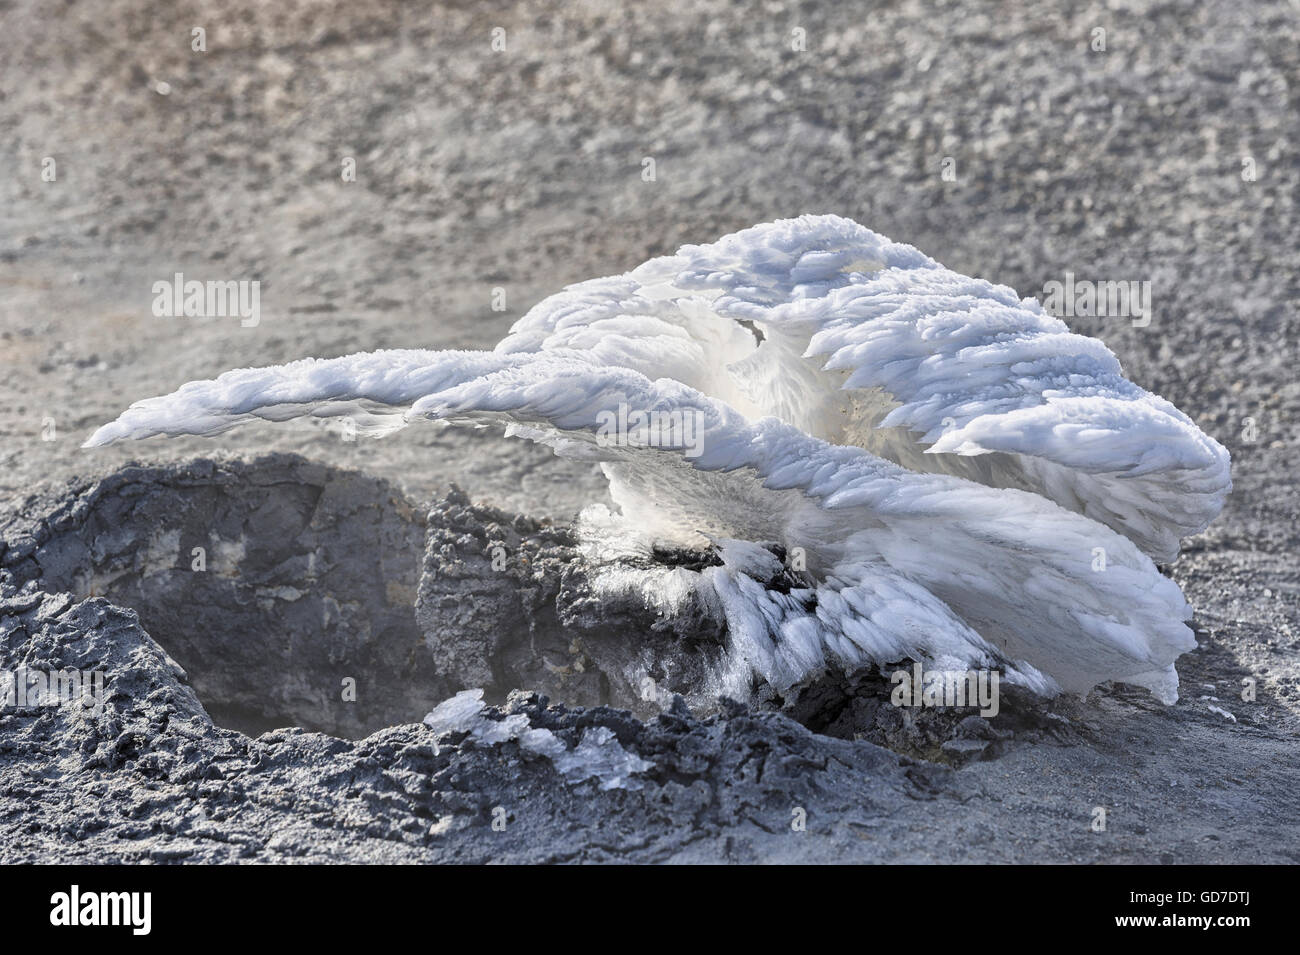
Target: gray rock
148,776
831,772
306,578
504,602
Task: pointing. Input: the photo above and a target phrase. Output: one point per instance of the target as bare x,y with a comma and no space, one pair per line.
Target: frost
1221,712
598,754
464,713
460,714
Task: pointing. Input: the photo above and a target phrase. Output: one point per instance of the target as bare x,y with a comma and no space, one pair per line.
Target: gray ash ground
522,171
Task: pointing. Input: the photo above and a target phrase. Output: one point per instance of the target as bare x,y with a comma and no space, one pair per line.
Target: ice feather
868,342
947,460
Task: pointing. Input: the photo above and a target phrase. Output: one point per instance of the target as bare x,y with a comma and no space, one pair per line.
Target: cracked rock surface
150,777
506,601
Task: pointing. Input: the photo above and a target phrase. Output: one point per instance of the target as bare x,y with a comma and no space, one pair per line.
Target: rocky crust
338,577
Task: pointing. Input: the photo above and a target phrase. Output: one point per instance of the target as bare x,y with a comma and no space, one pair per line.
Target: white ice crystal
951,475
464,713
599,755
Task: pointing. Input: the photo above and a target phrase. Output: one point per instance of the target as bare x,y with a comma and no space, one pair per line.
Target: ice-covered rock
465,713
597,755
934,468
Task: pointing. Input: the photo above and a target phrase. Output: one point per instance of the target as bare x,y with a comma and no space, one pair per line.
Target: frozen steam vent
835,466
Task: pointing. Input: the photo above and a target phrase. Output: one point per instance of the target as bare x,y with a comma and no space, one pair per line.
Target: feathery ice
962,480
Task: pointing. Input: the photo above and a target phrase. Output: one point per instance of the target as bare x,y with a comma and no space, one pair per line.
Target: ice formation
464,713
598,755
891,460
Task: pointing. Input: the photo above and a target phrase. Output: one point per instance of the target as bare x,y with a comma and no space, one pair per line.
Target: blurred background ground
522,170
